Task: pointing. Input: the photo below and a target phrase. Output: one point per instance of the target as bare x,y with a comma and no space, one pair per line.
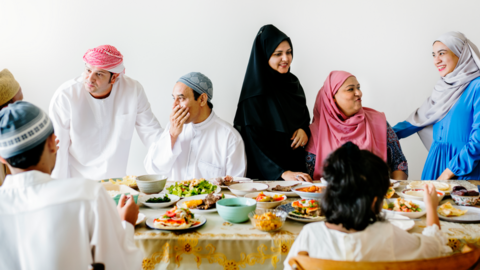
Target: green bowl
117,198
235,210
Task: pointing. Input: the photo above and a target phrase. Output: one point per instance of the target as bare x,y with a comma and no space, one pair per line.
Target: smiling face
183,96
444,59
281,58
349,97
98,82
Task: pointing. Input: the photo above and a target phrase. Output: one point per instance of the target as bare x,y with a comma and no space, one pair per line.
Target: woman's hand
299,138
446,175
296,176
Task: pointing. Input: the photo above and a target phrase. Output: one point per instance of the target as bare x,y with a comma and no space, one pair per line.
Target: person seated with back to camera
355,229
196,143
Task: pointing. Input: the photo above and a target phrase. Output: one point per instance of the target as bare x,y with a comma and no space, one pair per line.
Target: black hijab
270,99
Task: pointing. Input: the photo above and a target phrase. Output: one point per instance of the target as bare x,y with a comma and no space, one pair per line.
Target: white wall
386,44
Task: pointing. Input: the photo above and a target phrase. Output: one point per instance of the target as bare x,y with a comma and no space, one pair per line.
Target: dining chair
460,261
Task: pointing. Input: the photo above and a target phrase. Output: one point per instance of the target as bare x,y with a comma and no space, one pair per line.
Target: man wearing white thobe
50,223
196,143
94,116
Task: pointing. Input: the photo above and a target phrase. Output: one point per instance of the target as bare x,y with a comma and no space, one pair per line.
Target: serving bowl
266,205
465,200
268,225
151,183
406,196
235,210
407,214
309,195
245,188
173,199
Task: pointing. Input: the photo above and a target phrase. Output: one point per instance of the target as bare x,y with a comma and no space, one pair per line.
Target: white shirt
95,134
47,223
380,241
212,148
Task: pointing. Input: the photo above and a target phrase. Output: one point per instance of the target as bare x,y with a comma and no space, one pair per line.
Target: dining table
219,244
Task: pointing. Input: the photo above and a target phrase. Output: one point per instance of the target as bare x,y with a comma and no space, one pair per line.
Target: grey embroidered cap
22,127
199,83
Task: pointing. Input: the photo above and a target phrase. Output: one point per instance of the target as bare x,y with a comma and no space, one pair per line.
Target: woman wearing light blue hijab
448,122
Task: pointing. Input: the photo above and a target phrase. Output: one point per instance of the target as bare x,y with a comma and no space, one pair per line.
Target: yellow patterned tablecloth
222,245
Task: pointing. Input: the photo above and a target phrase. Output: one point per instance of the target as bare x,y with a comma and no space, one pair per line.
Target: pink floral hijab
331,128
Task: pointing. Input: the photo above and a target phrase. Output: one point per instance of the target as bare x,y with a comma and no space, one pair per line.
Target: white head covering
449,88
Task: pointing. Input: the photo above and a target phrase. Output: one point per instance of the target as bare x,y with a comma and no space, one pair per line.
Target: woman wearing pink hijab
339,117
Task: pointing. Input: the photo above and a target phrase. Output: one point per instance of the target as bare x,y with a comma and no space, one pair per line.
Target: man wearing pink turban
94,116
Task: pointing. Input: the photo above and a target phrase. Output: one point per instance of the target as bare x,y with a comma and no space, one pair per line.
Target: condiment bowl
309,195
268,225
245,188
266,205
173,199
409,194
151,183
235,210
465,200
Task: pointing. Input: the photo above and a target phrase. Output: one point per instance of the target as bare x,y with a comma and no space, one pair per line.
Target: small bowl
245,188
235,210
440,194
309,195
465,200
173,199
151,183
257,223
266,205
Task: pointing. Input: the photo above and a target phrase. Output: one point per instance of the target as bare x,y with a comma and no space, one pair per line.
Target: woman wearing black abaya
272,115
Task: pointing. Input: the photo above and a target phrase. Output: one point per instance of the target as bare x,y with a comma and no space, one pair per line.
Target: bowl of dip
417,194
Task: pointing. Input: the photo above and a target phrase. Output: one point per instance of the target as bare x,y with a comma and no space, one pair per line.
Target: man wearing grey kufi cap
196,143
33,205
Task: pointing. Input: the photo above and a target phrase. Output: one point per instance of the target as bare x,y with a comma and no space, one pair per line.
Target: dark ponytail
355,178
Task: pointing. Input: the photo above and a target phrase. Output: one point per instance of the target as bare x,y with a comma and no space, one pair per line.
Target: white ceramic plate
180,204
165,190
285,183
238,179
402,222
396,183
407,214
173,199
198,217
440,194
266,205
309,195
245,188
289,208
472,215
140,218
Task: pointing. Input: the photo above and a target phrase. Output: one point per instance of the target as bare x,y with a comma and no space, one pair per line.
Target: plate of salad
194,187
159,200
400,206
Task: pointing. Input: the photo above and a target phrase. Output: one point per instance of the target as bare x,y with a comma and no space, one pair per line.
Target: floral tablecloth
222,245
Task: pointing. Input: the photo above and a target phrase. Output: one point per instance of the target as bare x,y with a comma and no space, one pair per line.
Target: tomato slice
170,214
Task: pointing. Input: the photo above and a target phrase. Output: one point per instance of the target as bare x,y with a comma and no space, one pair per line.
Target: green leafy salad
192,187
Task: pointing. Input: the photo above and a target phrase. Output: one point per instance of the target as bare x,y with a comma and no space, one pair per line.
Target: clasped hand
299,138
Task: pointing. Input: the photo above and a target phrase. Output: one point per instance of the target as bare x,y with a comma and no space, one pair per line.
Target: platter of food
400,206
460,214
285,187
128,181
189,188
205,203
312,191
267,200
439,185
228,180
159,200
175,220
305,210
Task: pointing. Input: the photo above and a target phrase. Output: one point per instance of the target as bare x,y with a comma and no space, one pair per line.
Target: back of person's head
9,88
356,179
24,129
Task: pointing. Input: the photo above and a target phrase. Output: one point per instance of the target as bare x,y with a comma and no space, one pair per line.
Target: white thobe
50,223
95,134
380,241
212,148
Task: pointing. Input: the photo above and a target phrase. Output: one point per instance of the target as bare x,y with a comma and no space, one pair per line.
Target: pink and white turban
105,57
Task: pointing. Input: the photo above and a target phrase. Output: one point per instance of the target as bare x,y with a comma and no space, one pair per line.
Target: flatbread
447,210
303,216
442,186
162,224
